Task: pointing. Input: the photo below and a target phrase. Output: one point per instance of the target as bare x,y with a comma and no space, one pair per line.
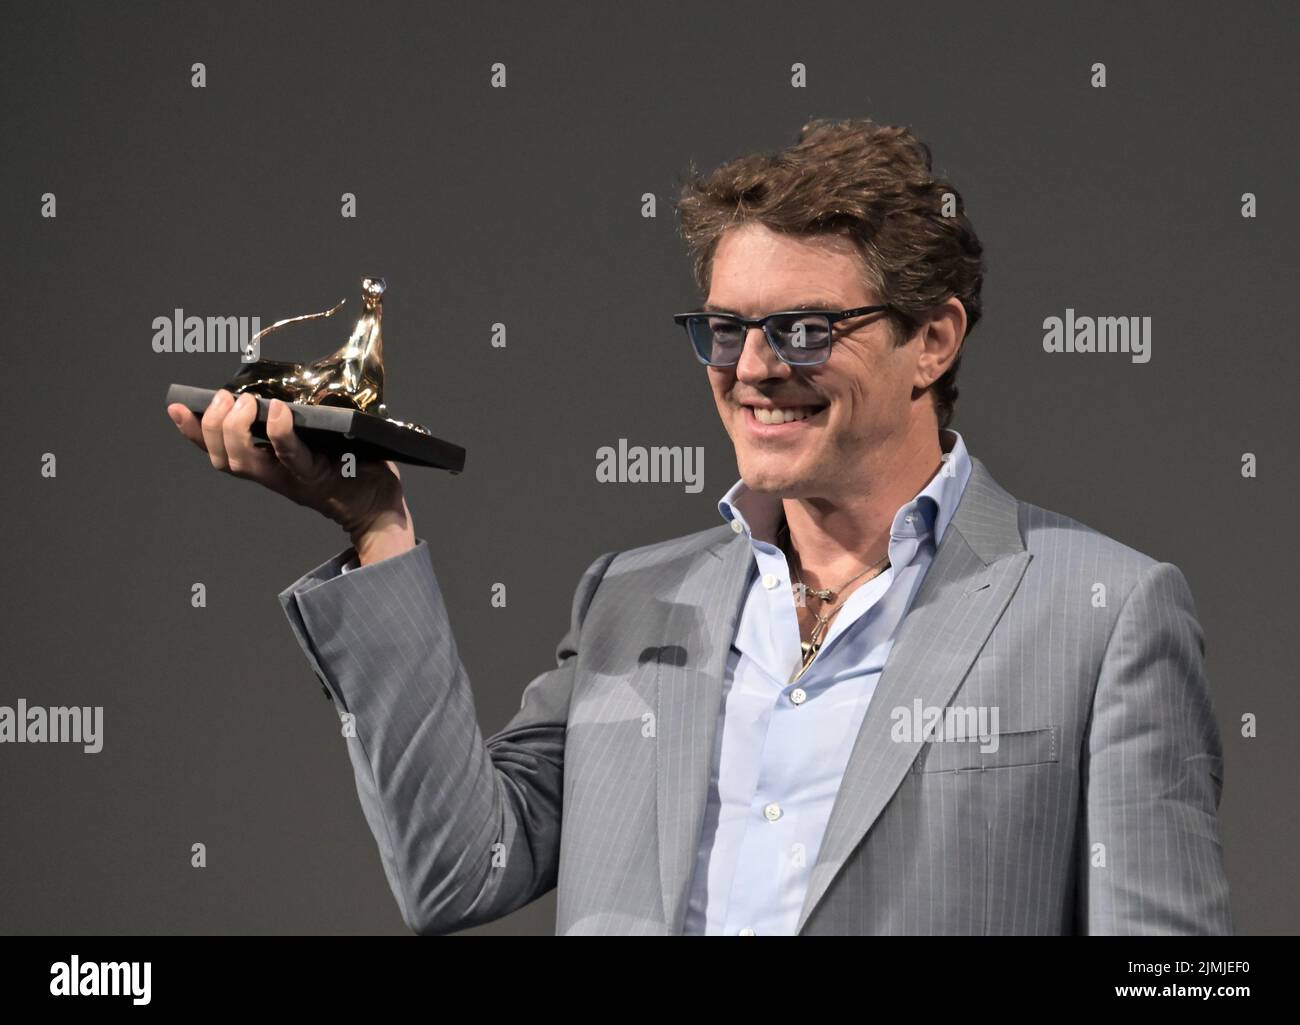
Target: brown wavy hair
870,182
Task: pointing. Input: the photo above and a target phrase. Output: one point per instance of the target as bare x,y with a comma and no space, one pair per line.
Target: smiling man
882,697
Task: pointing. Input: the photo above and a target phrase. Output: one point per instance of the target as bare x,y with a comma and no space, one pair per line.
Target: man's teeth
783,416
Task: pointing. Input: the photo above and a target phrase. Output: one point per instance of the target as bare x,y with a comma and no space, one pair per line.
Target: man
883,697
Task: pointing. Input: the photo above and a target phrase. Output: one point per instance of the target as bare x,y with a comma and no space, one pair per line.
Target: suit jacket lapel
976,570
701,625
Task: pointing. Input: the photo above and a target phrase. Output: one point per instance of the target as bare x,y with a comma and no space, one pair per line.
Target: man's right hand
370,507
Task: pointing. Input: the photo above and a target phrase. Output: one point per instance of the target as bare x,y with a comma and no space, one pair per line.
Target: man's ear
942,334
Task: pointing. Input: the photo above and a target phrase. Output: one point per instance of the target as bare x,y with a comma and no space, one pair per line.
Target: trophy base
335,430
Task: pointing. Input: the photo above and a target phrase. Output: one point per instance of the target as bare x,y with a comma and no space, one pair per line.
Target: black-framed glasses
801,338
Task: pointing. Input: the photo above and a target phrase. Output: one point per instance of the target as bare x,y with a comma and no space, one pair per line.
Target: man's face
862,395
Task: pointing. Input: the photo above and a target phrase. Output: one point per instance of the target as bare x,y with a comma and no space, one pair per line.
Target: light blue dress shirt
781,748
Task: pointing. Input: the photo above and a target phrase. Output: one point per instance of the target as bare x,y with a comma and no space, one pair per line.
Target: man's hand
370,507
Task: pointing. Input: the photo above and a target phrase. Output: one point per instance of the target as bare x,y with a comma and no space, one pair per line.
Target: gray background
523,206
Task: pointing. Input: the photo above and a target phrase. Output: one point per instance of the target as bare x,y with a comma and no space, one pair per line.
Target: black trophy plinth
335,430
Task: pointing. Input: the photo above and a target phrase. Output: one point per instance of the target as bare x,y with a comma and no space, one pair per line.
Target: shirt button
907,518
772,812
736,527
747,932
798,695
770,580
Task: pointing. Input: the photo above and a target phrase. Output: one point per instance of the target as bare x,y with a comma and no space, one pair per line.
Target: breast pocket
1005,750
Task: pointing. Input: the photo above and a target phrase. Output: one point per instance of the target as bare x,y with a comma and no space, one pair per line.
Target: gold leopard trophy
352,377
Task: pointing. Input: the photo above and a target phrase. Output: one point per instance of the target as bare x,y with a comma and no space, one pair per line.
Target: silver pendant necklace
801,590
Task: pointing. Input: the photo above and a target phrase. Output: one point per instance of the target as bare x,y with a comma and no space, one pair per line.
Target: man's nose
757,360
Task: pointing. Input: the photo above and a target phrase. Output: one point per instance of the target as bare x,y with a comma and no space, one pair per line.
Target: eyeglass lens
802,338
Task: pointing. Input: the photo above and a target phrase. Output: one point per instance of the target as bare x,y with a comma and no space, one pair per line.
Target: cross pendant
801,592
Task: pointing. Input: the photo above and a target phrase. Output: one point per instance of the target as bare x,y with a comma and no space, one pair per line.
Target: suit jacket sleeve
1153,774
468,830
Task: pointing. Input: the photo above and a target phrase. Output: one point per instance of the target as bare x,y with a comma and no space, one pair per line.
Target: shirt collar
758,515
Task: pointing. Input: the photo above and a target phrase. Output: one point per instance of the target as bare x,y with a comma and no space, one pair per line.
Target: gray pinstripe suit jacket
1097,813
